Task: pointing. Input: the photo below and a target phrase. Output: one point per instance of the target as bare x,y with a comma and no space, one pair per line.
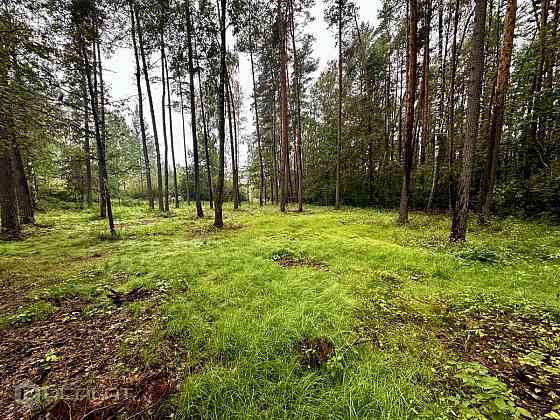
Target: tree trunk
409,110
106,196
229,100
199,211
451,112
10,226
498,107
218,216
163,119
459,226
171,139
100,144
298,125
25,202
87,151
425,100
184,144
152,113
283,106
236,144
141,112
256,105
339,125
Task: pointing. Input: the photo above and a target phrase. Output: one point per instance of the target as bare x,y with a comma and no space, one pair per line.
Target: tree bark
283,106
106,196
184,144
229,100
199,212
339,117
497,113
256,106
409,110
460,215
218,216
25,201
87,151
152,113
298,125
141,111
163,118
425,100
171,139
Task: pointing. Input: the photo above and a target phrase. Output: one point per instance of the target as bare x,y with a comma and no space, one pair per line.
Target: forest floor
325,314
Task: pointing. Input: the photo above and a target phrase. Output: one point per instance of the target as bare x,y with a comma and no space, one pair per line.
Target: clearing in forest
328,313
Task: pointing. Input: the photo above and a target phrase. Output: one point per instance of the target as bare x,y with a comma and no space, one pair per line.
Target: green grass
239,315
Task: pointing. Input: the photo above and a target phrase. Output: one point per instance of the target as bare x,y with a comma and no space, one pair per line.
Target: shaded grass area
322,314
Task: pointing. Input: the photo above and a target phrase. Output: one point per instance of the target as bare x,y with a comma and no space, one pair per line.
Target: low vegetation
340,314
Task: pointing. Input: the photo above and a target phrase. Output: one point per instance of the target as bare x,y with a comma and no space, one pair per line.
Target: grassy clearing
228,311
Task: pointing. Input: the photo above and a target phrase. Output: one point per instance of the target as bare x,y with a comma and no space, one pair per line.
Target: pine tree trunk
163,119
409,110
25,202
460,216
229,99
199,211
99,145
87,151
339,125
262,193
171,139
184,144
283,107
425,100
145,155
161,205
498,107
218,213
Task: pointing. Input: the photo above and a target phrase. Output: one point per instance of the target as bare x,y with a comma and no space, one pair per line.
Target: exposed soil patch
288,262
138,293
314,352
522,351
78,355
206,231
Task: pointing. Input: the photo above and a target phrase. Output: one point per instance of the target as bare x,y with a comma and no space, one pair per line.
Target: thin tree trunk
229,100
262,195
87,151
141,112
236,143
99,145
409,110
498,107
339,125
298,125
98,139
218,216
199,211
460,216
425,100
184,144
171,139
163,119
283,106
152,113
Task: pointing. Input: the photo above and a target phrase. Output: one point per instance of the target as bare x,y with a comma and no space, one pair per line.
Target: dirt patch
522,351
78,355
288,262
314,352
138,293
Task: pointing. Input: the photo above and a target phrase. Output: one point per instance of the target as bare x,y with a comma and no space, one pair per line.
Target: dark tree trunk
199,211
451,111
163,119
460,215
298,125
87,151
283,107
409,110
101,144
145,155
339,116
25,202
237,198
218,216
424,99
497,113
101,162
171,139
152,113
